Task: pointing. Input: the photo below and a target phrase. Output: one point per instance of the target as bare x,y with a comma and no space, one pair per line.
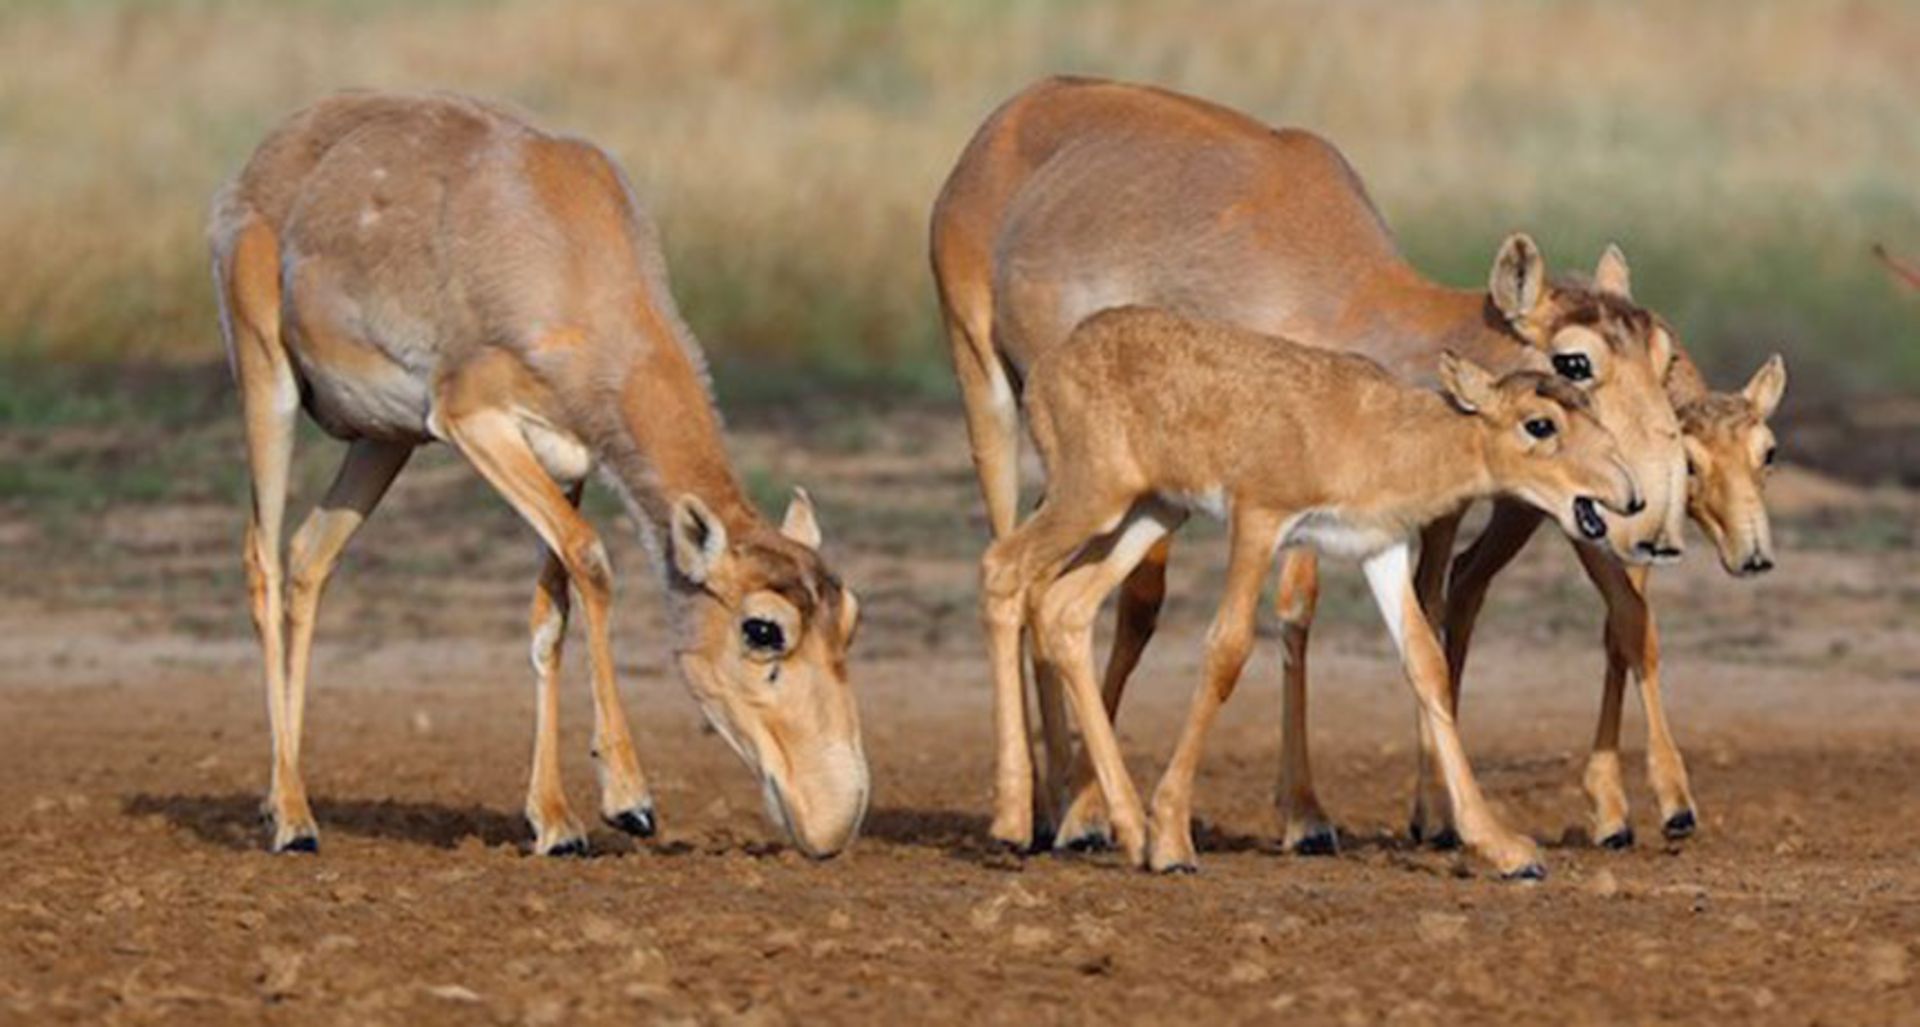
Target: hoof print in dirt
1680,825
638,822
1618,840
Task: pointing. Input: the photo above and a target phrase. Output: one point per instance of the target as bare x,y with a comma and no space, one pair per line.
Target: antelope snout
822,807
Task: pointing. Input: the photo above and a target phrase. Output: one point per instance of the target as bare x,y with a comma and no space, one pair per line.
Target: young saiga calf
1142,416
415,269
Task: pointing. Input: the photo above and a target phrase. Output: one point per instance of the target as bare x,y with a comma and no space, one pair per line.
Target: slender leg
1229,642
365,474
249,297
1084,826
556,831
993,424
492,441
1389,576
1014,567
1063,623
1304,825
1473,571
1633,646
1432,818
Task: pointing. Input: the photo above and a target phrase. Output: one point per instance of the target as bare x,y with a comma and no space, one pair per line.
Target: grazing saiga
1079,194
412,269
1141,416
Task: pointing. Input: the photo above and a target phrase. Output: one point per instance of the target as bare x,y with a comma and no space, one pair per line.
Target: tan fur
453,274
1141,415
1078,193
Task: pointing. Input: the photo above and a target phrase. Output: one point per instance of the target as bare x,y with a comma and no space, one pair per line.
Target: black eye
761,633
1768,459
1541,428
1574,367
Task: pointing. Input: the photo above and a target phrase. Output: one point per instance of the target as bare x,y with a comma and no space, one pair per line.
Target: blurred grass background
1744,152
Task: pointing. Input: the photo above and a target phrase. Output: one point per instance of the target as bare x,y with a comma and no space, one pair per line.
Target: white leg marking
1388,575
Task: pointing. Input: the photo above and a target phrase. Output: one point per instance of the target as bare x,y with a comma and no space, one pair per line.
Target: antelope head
1730,452
1593,337
763,636
1543,445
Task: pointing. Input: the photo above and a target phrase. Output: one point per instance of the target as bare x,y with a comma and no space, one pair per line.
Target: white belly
1329,532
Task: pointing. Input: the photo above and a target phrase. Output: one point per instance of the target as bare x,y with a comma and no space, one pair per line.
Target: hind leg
365,473
1084,825
1305,827
247,277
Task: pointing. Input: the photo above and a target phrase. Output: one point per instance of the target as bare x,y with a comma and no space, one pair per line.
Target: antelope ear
1611,274
699,540
1468,384
1766,386
1519,279
799,524
1660,349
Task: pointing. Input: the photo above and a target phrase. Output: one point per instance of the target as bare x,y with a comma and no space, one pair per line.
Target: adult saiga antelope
1080,194
411,269
1141,416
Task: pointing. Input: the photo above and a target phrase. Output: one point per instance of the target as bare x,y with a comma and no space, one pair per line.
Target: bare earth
133,751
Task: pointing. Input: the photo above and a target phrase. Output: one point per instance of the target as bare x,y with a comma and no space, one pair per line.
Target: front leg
1084,825
493,442
1228,643
1466,584
1389,576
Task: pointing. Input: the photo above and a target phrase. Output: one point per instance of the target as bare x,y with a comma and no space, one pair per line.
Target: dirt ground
133,750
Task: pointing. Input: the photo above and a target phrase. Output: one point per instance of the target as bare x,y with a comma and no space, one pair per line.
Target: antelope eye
763,634
1541,428
1574,367
1768,459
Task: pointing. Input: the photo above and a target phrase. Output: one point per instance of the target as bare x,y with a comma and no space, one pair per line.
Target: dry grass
1746,153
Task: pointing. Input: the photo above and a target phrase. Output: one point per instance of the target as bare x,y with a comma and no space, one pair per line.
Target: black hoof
1319,843
1446,839
306,844
1180,869
1530,872
1680,825
1089,841
576,847
638,822
1618,840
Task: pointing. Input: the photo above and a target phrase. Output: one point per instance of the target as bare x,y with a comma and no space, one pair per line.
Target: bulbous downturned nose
825,816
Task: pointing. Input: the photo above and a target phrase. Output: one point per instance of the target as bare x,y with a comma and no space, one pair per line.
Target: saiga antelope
1079,194
1141,416
1730,452
411,269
